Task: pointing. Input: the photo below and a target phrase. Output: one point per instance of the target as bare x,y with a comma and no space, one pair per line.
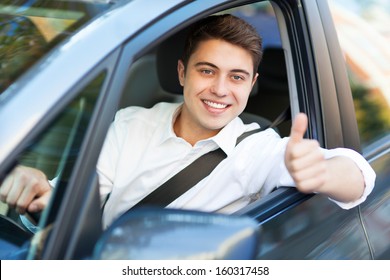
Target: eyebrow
205,63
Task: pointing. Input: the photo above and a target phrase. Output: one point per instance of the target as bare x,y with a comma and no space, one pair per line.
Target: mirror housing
150,233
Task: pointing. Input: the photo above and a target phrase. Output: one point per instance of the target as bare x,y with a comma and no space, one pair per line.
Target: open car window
54,152
154,74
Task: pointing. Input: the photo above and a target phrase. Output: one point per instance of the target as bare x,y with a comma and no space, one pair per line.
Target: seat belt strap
196,171
183,180
188,177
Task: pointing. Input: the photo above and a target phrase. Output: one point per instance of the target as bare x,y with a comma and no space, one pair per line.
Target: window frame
81,182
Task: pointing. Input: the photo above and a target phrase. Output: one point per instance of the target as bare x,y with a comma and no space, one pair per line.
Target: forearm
344,180
342,174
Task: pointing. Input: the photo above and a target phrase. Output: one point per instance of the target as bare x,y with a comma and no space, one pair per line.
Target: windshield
30,29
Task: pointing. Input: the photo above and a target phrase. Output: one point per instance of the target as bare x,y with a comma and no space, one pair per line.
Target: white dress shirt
141,152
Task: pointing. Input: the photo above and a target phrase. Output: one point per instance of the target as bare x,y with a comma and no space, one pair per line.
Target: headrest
272,70
168,53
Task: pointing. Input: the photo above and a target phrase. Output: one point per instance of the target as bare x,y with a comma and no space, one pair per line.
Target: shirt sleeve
367,171
285,179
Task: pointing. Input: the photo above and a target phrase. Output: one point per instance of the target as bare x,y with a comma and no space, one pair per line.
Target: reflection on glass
29,30
53,154
364,32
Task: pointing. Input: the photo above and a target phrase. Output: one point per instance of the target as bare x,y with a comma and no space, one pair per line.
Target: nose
220,87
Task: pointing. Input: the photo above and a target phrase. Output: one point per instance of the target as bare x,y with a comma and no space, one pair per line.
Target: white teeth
215,105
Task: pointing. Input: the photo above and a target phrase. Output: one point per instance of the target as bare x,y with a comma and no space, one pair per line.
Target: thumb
298,127
39,203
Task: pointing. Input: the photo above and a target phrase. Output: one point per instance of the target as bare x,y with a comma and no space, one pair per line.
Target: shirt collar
226,139
167,127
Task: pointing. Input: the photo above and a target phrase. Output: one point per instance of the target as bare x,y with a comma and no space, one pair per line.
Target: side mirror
178,234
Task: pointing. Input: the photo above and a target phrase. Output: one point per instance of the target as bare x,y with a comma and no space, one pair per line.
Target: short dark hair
229,28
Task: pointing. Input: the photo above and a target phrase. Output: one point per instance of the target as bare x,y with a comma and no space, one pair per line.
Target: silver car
66,67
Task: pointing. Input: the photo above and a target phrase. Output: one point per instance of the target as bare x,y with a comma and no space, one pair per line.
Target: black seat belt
188,177
196,171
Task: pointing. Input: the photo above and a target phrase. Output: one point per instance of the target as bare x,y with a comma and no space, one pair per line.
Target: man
146,147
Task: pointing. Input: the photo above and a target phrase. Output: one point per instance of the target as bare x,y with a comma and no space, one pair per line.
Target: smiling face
216,86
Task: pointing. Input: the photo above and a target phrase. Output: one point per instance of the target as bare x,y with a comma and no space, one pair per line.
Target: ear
255,79
181,71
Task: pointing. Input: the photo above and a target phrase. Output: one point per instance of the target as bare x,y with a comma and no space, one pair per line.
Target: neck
189,132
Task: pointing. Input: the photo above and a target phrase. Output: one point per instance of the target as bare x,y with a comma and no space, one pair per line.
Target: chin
216,125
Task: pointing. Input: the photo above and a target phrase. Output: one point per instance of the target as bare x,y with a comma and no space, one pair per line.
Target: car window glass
55,152
363,29
30,29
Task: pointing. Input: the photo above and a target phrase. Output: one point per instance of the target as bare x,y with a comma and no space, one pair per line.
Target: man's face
216,85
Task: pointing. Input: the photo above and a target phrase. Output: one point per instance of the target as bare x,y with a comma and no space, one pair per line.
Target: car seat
142,87
272,94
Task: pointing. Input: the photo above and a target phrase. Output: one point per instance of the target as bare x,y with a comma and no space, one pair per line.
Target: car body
56,107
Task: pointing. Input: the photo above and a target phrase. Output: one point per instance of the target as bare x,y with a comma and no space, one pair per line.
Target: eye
206,71
238,78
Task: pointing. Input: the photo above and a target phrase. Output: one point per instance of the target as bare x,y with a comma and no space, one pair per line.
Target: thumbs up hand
303,158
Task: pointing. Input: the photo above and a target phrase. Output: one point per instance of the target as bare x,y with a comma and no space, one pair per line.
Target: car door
354,113
296,226
362,35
